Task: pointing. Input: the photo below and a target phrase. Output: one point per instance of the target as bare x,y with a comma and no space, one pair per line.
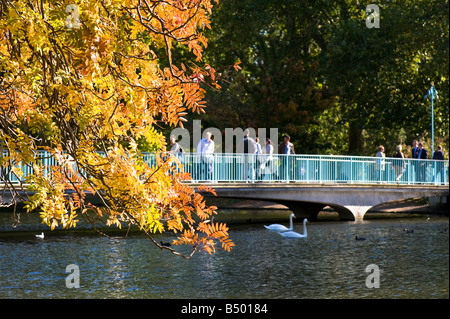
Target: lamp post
432,93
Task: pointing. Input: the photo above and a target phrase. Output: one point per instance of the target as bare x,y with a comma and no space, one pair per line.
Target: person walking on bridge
206,149
439,165
380,164
421,154
399,164
267,164
250,148
286,148
414,148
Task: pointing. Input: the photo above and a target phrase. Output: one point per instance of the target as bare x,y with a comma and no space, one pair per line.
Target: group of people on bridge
258,162
262,156
418,152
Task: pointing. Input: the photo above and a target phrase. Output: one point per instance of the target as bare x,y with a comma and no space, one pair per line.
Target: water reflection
330,263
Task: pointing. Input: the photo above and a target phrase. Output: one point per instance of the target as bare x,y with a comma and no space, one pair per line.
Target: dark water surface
330,263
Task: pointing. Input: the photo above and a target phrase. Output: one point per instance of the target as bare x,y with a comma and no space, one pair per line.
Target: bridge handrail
301,168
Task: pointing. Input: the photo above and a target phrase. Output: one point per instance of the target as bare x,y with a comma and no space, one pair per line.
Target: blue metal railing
314,169
294,168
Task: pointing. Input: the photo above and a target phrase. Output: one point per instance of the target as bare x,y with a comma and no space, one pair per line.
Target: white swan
278,227
293,234
41,236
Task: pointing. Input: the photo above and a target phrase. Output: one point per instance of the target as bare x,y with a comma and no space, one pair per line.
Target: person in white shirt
380,163
175,147
259,158
269,149
267,165
258,146
206,148
287,165
176,150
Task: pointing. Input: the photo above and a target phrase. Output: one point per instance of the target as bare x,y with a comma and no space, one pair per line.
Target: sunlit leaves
95,97
213,232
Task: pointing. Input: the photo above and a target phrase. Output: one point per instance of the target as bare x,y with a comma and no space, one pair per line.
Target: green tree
314,70
279,85
383,73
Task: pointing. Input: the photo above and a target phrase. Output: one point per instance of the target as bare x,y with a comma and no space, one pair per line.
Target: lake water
329,263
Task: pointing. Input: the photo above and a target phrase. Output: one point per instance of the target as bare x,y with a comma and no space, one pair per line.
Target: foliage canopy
87,93
314,70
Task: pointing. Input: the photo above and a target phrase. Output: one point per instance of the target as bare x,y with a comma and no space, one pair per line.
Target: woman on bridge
380,164
399,165
267,163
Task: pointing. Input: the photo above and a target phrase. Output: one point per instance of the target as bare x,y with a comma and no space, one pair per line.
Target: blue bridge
307,183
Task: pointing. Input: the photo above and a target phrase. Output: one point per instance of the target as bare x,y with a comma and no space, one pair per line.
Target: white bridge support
351,201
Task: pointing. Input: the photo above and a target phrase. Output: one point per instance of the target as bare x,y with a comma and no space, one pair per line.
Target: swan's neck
291,226
304,227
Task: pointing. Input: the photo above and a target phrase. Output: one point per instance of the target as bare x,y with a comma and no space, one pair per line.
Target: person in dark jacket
421,154
439,166
438,154
286,147
414,149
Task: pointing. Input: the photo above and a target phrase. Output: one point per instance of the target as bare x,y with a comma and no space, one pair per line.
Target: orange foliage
88,94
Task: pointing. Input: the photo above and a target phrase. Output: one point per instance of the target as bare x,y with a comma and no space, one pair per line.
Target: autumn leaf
237,67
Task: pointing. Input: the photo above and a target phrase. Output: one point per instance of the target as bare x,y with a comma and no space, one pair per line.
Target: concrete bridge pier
351,212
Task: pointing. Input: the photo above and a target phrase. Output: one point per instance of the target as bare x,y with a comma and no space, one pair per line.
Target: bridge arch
311,210
307,200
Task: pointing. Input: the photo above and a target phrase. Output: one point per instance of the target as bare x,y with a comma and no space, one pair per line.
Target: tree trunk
357,141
